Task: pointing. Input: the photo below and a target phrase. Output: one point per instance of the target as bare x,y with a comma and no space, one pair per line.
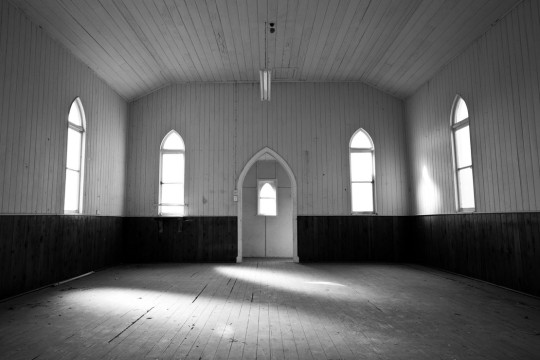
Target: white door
267,236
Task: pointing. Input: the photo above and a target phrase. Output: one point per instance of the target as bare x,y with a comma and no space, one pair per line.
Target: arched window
171,175
267,199
362,162
75,158
461,139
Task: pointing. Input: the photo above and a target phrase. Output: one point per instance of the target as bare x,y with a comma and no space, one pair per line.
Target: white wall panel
499,77
38,81
308,124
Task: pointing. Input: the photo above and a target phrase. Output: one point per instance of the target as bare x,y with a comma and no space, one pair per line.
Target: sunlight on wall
429,197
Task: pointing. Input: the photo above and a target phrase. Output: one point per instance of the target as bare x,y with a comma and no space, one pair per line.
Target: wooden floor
271,310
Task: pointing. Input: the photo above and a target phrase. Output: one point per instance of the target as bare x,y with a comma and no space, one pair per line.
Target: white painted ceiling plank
140,45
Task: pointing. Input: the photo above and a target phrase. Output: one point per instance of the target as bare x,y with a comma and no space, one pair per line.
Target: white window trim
81,129
260,183
161,153
455,126
373,182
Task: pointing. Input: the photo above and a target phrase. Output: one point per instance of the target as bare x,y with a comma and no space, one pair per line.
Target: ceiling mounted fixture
265,78
265,75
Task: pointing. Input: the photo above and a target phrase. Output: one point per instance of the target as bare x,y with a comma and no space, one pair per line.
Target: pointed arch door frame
239,187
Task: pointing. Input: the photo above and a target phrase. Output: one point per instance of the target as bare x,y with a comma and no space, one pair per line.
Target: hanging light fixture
265,79
265,75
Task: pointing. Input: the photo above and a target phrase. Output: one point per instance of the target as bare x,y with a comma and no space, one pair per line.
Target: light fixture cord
266,44
266,39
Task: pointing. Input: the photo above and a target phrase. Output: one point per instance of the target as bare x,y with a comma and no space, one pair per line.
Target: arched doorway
266,153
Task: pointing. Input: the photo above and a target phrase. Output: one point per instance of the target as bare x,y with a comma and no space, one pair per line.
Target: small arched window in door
267,197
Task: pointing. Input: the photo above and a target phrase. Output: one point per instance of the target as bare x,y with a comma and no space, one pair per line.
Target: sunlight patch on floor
304,283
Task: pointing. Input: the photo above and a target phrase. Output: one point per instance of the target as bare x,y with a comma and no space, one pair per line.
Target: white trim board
239,188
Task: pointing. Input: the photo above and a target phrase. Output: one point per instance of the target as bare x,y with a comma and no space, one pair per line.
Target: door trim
239,188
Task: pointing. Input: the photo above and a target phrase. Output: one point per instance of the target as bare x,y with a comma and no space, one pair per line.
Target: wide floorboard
263,309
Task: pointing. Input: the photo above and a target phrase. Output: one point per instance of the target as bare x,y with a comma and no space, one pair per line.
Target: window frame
162,152
82,156
454,127
260,183
370,150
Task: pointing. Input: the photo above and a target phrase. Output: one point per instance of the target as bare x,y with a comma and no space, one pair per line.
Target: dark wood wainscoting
351,238
36,250
500,248
212,239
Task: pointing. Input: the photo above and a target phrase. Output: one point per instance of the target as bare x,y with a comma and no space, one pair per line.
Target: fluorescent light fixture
266,76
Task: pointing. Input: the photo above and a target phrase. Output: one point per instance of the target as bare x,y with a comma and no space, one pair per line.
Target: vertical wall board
40,79
37,250
351,238
502,248
475,233
403,237
308,124
345,230
188,239
304,238
334,233
224,230
6,236
533,252
47,233
34,251
18,251
208,236
528,252
498,76
65,245
189,235
364,238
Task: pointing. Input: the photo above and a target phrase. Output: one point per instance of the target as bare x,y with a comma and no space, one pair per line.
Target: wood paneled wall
308,124
499,78
352,238
37,250
186,239
39,81
500,248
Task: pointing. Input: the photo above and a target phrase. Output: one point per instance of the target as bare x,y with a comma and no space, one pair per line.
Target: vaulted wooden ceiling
138,46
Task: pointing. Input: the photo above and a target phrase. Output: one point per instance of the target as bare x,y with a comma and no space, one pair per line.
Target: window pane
172,210
362,197
172,168
74,149
172,194
466,188
71,199
461,112
267,207
173,142
361,166
74,115
268,191
361,141
463,147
